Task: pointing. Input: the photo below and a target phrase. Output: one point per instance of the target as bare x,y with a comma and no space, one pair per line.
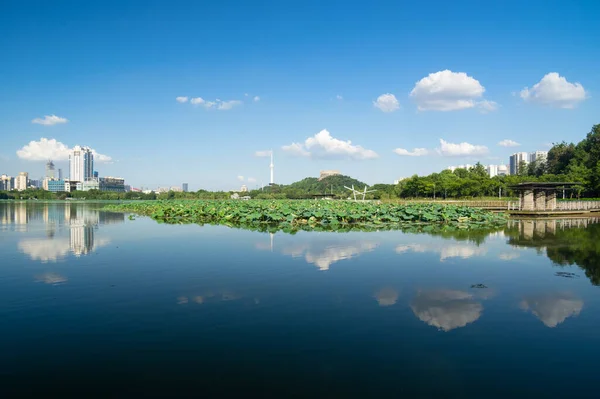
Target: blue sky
113,70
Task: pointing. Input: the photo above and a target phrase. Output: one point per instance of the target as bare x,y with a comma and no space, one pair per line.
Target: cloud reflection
463,251
324,257
386,296
446,309
51,278
553,309
45,250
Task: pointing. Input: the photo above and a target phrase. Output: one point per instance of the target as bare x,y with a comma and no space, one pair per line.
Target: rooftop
543,185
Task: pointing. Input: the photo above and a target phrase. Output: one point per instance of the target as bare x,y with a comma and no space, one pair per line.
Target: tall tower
50,169
272,167
81,164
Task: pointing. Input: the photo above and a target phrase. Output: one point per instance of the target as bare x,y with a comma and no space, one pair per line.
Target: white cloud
323,145
450,91
462,149
296,149
46,149
251,180
555,90
508,256
45,250
217,104
339,97
256,99
387,103
486,106
508,143
182,99
323,255
49,120
263,153
240,178
416,152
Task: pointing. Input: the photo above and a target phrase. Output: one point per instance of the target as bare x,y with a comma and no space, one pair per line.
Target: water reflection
322,252
386,296
566,242
553,308
68,227
51,278
446,309
446,251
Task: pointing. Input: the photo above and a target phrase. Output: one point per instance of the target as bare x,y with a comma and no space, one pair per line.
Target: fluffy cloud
182,99
463,251
49,120
462,149
323,255
323,145
263,153
217,104
446,309
416,152
51,278
256,99
45,250
508,143
46,149
240,178
555,90
339,97
450,91
251,180
386,102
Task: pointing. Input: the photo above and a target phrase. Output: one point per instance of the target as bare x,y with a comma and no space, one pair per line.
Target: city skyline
354,101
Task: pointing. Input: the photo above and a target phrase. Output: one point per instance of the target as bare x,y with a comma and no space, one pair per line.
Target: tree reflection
565,241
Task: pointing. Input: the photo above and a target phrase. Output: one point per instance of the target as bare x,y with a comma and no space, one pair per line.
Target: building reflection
79,221
566,242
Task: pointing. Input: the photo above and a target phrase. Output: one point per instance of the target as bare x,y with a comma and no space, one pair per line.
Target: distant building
466,166
71,185
176,189
538,156
81,164
127,188
22,181
399,180
54,185
95,174
492,170
327,173
114,184
36,183
244,189
184,187
515,161
50,170
502,170
87,185
60,175
6,183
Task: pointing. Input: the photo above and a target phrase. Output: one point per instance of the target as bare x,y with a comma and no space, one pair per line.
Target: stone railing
578,205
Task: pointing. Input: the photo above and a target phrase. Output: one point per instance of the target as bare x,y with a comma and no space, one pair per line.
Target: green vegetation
310,215
39,194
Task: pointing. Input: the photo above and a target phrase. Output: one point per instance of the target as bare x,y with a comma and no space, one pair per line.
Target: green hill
335,184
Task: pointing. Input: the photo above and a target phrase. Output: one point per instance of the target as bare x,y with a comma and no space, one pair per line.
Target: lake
96,303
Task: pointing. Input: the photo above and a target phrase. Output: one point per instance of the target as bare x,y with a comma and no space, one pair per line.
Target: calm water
92,302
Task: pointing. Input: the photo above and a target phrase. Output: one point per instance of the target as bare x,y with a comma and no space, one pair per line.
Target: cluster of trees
39,194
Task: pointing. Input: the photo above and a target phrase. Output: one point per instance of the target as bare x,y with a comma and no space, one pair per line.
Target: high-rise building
60,176
21,181
184,186
5,183
50,170
115,184
502,170
515,161
81,164
538,156
492,170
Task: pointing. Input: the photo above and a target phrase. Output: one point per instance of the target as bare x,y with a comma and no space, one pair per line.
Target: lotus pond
310,215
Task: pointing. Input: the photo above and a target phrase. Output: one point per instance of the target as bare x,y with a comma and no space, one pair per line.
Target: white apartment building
81,164
538,156
21,181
